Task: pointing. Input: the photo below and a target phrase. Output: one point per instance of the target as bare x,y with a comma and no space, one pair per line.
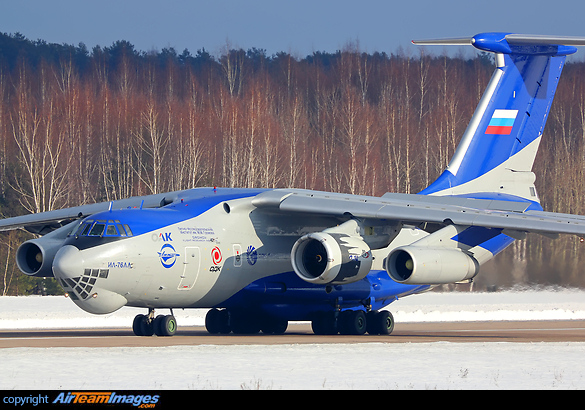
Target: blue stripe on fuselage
194,203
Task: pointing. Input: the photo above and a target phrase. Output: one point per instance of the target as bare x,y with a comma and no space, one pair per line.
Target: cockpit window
111,231
85,229
97,229
121,229
101,228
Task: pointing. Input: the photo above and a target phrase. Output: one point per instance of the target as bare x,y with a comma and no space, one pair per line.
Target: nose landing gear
148,325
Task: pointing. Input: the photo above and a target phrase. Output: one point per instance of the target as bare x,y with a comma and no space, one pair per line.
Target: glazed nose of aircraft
68,263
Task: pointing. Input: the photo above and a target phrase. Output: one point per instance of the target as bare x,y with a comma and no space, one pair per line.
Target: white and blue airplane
258,258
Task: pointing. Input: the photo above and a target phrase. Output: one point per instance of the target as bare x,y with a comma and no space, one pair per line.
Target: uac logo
168,255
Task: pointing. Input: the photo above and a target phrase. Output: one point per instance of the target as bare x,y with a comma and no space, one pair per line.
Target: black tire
168,326
244,324
353,322
218,322
157,325
212,321
137,325
372,328
380,323
274,326
224,322
142,326
385,322
324,323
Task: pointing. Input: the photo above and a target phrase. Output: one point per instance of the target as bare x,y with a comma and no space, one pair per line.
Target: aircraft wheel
217,322
380,323
324,323
165,325
352,322
244,324
137,324
274,326
142,326
157,325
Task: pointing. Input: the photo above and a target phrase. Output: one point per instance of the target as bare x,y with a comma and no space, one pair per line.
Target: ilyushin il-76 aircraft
259,258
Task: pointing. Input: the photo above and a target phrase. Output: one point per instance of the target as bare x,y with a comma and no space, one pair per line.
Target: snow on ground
440,365
58,312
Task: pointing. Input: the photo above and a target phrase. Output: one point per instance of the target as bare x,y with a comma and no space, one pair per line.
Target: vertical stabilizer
497,151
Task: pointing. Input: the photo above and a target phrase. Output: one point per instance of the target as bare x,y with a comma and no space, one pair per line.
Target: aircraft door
191,266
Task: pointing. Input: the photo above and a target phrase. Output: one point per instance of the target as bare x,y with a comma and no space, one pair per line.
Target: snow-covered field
439,365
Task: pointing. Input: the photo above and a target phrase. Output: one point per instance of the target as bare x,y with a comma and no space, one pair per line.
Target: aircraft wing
415,209
407,208
45,222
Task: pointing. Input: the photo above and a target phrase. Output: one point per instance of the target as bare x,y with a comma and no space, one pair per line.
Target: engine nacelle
430,266
35,257
331,258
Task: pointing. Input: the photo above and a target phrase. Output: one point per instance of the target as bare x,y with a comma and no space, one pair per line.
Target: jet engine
430,266
331,258
35,257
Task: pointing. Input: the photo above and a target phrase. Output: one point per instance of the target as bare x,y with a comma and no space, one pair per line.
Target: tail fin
497,151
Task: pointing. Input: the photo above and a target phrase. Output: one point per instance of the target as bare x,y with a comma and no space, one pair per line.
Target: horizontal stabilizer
465,41
526,39
506,42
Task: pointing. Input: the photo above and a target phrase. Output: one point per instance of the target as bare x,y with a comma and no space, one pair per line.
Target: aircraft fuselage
203,253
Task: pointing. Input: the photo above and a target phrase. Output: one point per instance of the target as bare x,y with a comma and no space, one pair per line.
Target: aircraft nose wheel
163,325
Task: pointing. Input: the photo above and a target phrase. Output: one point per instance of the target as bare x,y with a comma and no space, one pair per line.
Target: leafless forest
79,126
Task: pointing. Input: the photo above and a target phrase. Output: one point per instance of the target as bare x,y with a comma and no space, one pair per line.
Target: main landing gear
148,325
347,322
222,321
353,322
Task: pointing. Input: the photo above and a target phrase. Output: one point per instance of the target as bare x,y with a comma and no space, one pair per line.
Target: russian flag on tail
502,122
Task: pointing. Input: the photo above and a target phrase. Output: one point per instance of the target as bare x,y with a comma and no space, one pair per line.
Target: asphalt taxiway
460,332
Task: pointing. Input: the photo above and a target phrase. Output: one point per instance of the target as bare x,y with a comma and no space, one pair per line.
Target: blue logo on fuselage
252,255
168,255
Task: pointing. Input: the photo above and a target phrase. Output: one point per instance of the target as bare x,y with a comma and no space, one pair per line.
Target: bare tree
40,147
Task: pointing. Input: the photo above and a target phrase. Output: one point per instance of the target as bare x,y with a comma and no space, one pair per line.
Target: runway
459,332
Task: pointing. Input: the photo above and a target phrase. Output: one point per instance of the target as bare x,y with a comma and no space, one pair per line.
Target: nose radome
68,263
86,292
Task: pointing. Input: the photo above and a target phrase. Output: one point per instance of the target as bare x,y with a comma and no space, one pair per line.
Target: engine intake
430,266
331,258
35,257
